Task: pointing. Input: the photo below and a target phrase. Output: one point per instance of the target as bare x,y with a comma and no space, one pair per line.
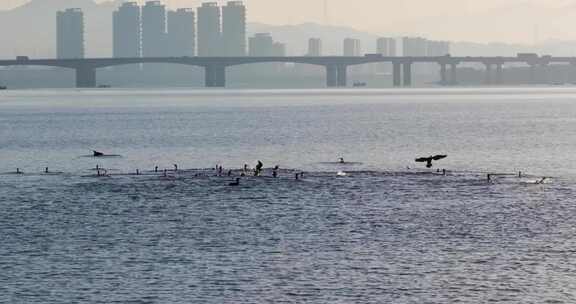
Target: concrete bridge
336,66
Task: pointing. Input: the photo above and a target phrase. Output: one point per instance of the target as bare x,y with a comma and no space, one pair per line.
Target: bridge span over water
336,66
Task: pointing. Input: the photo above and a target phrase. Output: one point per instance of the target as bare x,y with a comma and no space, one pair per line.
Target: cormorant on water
102,154
103,174
236,183
428,160
259,167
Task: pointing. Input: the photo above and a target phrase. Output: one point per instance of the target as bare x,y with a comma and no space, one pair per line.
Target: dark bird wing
439,157
423,159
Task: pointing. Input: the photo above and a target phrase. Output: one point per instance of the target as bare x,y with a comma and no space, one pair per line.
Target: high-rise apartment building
234,29
386,47
70,34
438,48
154,29
261,44
209,33
352,47
278,49
414,46
417,47
127,31
181,32
314,47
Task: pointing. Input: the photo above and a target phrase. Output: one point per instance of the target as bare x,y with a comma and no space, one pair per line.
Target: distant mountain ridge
30,30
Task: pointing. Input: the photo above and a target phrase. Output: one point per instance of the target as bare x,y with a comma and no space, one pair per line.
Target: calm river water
388,231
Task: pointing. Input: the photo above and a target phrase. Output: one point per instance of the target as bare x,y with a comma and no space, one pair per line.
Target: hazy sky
479,20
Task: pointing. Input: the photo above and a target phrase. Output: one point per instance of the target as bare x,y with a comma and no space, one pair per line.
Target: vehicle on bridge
527,56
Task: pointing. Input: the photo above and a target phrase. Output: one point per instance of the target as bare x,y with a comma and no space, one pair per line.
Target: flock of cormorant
257,171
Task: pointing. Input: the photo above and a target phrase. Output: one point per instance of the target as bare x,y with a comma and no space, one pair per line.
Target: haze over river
389,231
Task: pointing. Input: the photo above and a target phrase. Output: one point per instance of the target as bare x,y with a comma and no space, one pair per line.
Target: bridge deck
321,60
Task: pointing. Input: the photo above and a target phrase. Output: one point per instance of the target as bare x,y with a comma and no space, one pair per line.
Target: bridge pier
85,77
336,75
331,76
499,74
215,76
407,74
443,74
453,74
342,75
532,73
572,72
545,73
396,74
488,74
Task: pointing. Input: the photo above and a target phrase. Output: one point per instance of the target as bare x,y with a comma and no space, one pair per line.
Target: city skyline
530,21
153,30
98,33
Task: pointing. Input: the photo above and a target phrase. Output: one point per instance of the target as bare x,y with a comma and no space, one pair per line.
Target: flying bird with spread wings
428,160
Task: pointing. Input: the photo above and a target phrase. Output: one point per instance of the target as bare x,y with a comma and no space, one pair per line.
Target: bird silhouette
428,160
236,183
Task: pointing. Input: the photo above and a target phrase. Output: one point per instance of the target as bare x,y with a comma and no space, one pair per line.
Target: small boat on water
104,86
3,88
98,154
359,84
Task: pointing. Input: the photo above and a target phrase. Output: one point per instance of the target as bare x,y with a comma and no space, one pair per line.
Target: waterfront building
127,39
352,47
182,32
70,34
154,30
314,47
209,30
234,29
